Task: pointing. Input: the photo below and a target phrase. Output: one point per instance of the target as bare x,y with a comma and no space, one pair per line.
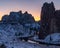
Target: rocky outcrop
27,18
18,17
47,13
5,18
50,19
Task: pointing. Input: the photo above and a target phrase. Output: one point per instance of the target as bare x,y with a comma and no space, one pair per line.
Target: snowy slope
9,39
53,38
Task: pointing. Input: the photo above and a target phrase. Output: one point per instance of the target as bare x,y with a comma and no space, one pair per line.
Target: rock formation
47,13
18,17
50,19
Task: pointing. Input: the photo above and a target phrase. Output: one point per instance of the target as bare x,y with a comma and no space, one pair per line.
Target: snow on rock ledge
55,37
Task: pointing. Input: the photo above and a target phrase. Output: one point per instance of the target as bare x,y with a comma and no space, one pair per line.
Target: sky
32,6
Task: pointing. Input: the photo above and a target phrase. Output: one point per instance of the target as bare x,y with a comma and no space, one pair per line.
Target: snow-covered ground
9,37
53,38
22,44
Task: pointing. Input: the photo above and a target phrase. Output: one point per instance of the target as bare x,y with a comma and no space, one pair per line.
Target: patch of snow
55,37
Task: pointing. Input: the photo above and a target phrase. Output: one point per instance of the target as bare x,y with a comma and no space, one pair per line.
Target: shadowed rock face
5,18
18,17
47,13
27,18
50,20
57,16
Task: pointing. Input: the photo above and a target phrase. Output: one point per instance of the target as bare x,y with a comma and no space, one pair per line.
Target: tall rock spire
47,13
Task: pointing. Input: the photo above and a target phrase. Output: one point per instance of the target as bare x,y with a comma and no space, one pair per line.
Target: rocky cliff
49,20
18,17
